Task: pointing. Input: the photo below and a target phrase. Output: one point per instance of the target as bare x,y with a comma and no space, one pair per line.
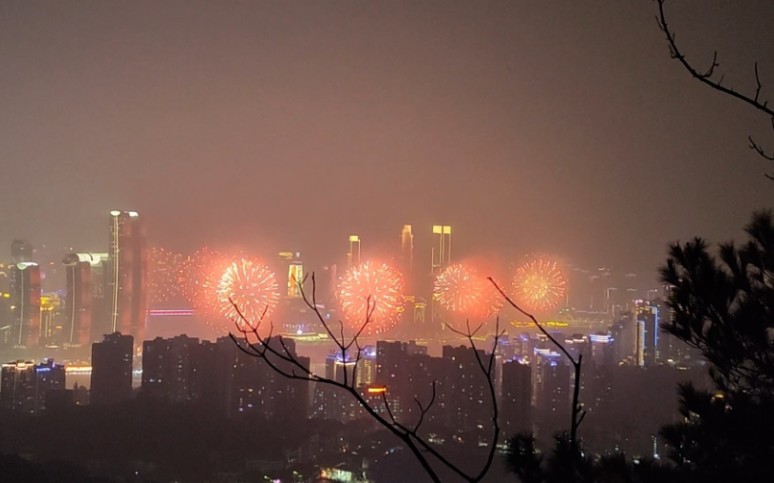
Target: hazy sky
558,126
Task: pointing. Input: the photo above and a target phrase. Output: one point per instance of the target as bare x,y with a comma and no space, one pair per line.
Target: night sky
561,126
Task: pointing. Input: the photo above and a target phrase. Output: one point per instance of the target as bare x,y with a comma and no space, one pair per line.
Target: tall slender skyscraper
407,256
353,255
84,296
295,272
126,275
441,248
25,295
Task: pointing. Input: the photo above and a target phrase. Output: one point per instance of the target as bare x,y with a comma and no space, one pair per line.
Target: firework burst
164,275
252,286
462,290
539,284
376,283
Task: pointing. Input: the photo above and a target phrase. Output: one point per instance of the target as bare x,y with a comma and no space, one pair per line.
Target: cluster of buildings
105,292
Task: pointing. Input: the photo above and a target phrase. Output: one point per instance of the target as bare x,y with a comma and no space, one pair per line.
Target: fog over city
169,170
559,127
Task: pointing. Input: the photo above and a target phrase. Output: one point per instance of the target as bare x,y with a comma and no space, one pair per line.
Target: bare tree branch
577,413
706,78
281,359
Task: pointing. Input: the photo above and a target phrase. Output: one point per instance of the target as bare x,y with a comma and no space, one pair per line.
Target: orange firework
461,289
201,274
164,276
539,284
376,283
252,286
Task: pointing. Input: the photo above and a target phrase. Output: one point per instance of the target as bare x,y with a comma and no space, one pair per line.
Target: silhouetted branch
577,413
707,78
282,360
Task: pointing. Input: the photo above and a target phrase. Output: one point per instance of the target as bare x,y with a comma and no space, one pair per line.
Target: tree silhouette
713,79
566,463
256,341
723,305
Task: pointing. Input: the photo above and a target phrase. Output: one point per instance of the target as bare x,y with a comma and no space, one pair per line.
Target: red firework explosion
252,286
164,275
461,289
539,284
201,275
376,283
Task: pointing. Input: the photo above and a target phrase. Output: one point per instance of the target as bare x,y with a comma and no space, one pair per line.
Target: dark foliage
724,305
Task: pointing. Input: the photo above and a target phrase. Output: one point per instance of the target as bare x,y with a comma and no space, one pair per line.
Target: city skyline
270,123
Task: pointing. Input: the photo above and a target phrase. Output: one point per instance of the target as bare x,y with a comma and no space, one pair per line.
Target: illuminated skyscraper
85,295
25,385
126,275
295,272
441,248
647,320
353,255
441,258
25,303
407,251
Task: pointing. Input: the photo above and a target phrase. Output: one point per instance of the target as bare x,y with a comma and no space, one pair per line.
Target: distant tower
84,303
353,256
647,323
407,254
25,385
295,272
441,248
126,277
25,296
111,369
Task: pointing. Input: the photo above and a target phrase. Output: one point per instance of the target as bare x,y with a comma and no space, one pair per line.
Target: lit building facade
126,274
24,386
353,255
441,252
84,302
25,302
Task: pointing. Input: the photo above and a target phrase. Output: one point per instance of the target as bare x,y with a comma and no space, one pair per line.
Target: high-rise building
353,255
52,306
407,256
25,385
464,391
85,296
647,318
516,401
25,300
126,274
17,389
295,269
252,387
441,252
168,369
111,369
